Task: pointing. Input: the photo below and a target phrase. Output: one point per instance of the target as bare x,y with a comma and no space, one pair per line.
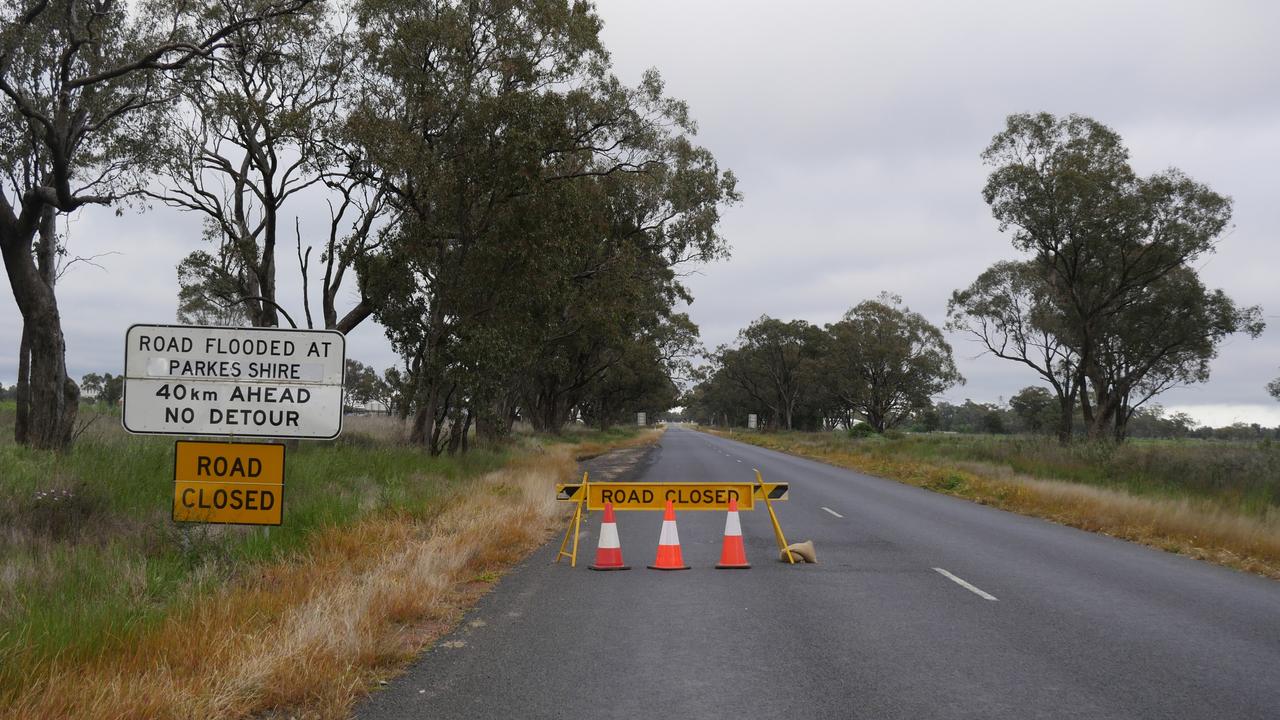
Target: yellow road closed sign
228,483
683,496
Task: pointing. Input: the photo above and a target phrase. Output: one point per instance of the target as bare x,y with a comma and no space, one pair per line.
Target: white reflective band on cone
732,526
669,535
609,536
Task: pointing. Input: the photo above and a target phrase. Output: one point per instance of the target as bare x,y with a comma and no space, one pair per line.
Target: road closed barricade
683,496
669,496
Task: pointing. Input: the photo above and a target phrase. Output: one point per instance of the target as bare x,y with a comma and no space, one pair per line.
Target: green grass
89,554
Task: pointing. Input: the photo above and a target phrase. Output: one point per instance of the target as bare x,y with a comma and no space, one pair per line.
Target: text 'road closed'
683,496
622,496
230,483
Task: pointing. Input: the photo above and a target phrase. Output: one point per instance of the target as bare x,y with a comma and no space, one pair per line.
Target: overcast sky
855,131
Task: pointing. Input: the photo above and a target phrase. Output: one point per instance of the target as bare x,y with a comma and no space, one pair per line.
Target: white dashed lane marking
833,512
976,591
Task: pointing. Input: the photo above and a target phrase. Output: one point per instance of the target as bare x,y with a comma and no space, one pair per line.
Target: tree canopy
82,83
1108,307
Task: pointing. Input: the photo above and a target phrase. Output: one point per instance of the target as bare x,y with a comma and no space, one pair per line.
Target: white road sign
751,421
243,382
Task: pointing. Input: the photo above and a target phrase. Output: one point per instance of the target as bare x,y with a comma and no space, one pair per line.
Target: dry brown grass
378,426
1192,527
1195,528
306,637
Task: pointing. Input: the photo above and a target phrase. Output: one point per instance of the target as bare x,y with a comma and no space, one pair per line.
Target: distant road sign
751,421
684,496
228,483
641,419
245,382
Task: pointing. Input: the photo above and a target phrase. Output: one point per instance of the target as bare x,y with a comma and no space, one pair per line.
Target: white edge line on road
959,581
833,512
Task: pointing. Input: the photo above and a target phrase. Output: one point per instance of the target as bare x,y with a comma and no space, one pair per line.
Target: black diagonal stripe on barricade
778,491
568,491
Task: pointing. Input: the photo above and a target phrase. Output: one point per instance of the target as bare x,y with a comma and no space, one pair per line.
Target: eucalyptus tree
776,364
888,362
1165,339
81,81
1102,239
1009,309
646,378
464,116
717,400
521,176
260,130
615,277
1036,409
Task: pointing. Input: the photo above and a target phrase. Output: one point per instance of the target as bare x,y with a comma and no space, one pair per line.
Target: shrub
60,512
861,430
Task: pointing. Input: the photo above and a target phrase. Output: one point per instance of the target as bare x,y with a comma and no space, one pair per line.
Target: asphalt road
1082,626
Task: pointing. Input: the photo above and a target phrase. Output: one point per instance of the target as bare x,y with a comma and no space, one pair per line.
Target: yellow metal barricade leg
777,529
575,524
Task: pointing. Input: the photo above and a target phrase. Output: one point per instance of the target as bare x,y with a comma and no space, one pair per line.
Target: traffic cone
669,544
734,554
609,550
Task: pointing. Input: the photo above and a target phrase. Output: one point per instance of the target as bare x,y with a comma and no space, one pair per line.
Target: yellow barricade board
228,483
683,496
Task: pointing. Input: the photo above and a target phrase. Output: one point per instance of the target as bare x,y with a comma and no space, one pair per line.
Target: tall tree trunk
266,269
443,403
1086,407
1105,416
52,399
466,430
22,421
1066,419
1121,421
543,411
425,416
494,419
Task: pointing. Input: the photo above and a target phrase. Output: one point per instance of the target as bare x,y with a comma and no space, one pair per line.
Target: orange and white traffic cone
734,553
669,544
609,550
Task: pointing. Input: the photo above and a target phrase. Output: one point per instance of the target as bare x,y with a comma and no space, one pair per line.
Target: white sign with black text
243,382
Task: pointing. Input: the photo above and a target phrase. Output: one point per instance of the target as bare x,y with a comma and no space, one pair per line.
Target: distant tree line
515,217
880,363
1031,411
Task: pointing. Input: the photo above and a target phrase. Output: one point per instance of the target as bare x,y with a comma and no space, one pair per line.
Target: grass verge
119,615
1228,528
